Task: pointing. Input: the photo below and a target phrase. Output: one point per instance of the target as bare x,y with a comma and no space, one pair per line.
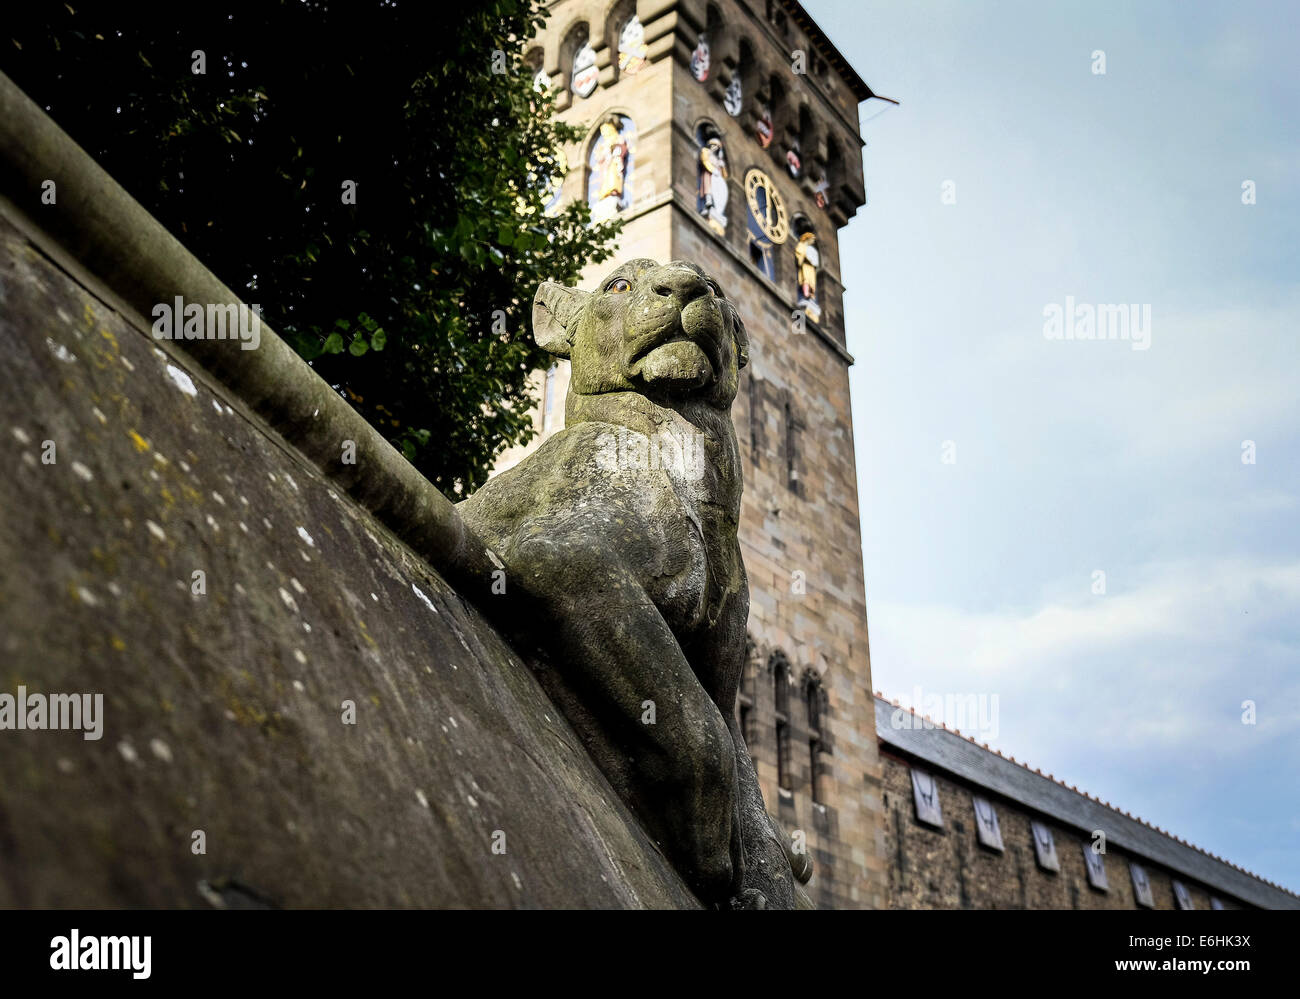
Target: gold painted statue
808,259
615,163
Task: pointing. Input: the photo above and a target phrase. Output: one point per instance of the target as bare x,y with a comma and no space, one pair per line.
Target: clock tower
726,133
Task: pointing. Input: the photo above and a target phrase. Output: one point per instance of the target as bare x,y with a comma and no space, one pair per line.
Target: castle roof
960,755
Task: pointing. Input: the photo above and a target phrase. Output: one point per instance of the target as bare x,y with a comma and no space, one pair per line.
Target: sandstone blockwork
726,76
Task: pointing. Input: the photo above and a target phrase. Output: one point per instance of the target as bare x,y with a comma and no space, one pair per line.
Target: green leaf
308,347
358,346
379,339
333,344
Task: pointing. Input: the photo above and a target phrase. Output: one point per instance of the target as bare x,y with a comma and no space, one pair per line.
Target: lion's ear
554,309
742,343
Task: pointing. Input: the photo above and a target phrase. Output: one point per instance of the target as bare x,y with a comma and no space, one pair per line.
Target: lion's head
663,330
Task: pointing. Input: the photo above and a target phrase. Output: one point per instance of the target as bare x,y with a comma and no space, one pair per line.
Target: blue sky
1074,456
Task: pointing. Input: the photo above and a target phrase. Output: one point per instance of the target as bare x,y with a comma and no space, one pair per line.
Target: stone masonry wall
949,869
296,709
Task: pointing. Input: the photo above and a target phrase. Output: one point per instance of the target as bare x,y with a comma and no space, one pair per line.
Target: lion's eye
619,285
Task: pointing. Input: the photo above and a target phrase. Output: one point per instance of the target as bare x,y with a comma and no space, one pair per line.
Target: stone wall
949,868
297,708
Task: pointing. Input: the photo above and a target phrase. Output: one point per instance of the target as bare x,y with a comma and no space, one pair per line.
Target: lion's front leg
767,865
618,653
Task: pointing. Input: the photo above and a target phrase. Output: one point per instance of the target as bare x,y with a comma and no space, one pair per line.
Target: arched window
535,64
578,72
777,102
713,19
702,67
740,88
813,699
807,143
781,689
776,17
745,696
625,37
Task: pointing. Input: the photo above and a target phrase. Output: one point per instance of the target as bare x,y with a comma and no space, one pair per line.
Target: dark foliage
413,302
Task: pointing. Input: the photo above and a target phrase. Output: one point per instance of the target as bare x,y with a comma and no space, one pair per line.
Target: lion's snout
674,329
681,285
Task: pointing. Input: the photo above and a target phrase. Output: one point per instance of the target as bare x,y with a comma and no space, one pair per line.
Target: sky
1001,469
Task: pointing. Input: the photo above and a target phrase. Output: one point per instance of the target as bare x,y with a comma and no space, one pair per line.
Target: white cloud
1150,667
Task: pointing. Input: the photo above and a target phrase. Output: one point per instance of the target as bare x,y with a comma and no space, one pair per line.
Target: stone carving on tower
711,199
585,73
609,187
808,260
763,127
631,46
700,59
733,101
792,161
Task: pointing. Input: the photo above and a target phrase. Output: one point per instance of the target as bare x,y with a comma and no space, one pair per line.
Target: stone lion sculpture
621,529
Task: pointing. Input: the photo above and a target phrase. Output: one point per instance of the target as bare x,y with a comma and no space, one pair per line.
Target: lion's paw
749,898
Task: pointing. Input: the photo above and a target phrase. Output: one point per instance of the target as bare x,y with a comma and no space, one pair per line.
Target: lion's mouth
672,353
678,363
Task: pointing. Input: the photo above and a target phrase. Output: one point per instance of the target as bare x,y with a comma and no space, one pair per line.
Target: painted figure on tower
711,195
808,260
585,74
700,59
733,101
763,127
610,164
631,46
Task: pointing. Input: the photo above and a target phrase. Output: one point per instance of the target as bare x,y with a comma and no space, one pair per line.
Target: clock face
766,206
